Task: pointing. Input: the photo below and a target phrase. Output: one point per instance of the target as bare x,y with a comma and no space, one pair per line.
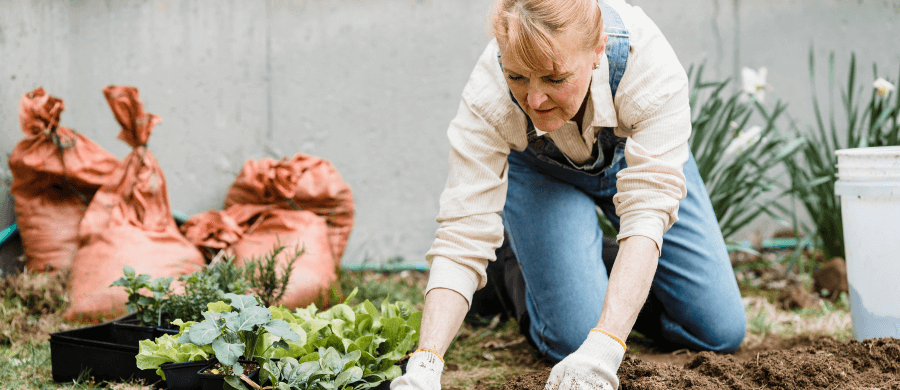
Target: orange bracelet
610,335
428,350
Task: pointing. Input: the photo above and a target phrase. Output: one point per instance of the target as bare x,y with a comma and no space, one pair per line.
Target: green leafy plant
237,330
735,160
373,340
813,175
167,349
149,308
266,280
330,371
203,287
228,276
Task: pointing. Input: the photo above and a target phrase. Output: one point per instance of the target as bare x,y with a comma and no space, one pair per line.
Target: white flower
755,83
743,141
883,87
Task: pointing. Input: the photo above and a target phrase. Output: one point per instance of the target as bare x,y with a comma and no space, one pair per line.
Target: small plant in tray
236,331
148,308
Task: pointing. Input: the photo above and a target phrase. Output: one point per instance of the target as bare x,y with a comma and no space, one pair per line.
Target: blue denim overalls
551,225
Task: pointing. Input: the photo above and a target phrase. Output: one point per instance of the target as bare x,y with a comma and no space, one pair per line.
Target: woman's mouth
544,112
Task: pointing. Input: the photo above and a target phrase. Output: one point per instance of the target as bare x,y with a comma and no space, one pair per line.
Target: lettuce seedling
237,330
167,349
374,340
330,370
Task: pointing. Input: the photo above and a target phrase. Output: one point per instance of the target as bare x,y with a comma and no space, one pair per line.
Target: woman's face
550,98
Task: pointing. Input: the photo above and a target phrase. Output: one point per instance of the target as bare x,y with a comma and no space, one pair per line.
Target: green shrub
266,280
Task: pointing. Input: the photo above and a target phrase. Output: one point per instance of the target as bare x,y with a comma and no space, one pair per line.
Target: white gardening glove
423,372
592,366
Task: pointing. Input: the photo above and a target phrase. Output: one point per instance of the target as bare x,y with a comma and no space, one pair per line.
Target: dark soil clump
219,369
826,364
832,277
534,381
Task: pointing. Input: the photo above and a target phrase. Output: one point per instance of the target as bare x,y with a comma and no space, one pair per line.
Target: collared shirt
650,109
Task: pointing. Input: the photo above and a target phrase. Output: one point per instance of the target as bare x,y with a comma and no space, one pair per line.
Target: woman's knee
727,335
560,334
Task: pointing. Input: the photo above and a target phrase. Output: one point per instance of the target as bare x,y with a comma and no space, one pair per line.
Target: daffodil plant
814,174
738,147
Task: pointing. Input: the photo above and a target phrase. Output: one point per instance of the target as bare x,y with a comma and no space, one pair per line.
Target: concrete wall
370,85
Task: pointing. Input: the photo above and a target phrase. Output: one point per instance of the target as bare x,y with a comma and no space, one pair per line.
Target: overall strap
617,44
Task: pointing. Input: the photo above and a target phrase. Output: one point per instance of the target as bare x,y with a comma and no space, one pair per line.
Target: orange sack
259,229
56,172
212,229
128,222
302,182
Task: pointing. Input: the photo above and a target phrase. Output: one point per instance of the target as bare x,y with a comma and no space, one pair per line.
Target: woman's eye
555,81
515,77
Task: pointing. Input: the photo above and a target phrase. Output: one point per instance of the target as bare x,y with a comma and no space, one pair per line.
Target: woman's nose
536,97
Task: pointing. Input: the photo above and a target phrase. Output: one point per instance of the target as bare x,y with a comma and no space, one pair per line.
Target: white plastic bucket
869,189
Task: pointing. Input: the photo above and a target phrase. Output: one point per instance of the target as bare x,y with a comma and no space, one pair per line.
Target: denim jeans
551,222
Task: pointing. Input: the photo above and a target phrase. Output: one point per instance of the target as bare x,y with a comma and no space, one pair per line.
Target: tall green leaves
736,159
814,174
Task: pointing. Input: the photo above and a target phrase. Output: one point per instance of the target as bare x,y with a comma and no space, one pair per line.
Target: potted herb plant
146,310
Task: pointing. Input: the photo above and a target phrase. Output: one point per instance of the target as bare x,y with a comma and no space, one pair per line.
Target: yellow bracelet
610,335
428,350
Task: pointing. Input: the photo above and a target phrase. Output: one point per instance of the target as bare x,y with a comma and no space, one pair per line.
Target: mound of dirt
825,364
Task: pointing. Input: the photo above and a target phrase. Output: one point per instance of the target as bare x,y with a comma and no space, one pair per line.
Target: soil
797,298
832,278
823,364
218,369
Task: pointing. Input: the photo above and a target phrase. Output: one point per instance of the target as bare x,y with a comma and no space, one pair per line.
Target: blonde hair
529,29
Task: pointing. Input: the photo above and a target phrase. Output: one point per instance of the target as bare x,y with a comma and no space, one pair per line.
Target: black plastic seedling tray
184,376
75,351
128,331
217,382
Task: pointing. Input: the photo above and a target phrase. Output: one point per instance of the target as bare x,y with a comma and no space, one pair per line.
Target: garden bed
824,364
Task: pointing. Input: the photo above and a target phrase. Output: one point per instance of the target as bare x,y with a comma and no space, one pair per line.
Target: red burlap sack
128,222
314,272
212,229
249,231
56,172
302,182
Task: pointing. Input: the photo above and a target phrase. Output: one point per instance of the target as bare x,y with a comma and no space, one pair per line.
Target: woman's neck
579,116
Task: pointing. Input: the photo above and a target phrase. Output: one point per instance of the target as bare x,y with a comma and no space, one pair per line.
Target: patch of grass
25,366
759,323
30,304
377,286
764,318
749,290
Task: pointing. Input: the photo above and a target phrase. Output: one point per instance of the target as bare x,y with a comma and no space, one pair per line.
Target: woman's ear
598,52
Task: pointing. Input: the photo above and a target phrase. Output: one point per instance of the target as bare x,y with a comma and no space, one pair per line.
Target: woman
575,105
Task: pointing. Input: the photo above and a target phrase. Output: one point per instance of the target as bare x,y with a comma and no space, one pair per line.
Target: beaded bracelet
428,350
610,335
